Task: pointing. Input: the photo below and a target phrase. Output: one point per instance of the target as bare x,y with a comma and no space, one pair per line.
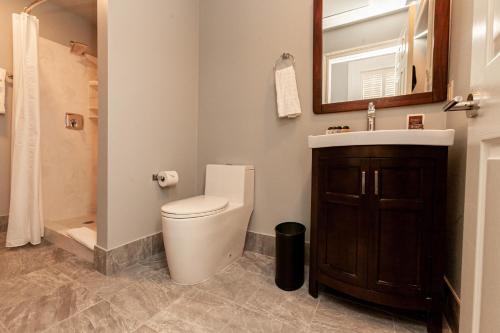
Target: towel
85,236
287,93
3,74
26,204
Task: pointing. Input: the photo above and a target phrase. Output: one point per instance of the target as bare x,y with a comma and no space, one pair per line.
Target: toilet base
198,248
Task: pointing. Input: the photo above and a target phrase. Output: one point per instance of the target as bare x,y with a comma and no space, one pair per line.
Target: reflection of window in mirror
376,48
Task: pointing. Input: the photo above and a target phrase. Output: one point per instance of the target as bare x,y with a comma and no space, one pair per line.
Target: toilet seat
199,206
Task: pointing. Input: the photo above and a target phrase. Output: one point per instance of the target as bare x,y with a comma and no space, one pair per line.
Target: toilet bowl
204,234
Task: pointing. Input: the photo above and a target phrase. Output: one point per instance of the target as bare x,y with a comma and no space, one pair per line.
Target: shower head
78,48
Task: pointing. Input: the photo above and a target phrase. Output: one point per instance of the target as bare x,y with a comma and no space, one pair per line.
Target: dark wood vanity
378,214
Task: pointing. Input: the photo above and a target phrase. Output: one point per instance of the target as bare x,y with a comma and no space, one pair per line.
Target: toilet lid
200,205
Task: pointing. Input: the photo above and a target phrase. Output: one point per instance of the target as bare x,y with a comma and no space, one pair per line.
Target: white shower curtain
26,214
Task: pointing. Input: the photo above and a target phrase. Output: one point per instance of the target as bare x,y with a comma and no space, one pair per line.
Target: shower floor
56,232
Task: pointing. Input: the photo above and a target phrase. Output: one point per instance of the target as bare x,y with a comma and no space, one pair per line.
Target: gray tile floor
47,289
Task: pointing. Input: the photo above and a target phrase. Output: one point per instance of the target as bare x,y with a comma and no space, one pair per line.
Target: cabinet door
342,241
402,211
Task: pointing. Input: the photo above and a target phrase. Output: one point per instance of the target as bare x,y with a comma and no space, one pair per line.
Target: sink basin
384,137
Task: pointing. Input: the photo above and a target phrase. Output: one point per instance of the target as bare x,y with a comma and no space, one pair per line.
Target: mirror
391,52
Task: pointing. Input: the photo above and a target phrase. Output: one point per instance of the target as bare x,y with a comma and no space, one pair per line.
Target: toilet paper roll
168,178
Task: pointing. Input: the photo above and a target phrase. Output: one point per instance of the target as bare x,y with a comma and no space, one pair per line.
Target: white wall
358,67
461,50
347,84
57,25
152,113
239,42
102,215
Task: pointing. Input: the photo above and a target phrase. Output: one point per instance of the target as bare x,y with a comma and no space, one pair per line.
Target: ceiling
339,13
84,8
335,7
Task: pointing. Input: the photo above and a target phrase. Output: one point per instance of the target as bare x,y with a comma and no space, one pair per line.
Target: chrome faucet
371,117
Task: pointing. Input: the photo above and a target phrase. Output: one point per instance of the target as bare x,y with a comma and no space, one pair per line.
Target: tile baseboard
266,245
109,262
4,220
260,243
451,306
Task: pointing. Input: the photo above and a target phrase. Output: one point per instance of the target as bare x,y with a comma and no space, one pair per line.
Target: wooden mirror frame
440,68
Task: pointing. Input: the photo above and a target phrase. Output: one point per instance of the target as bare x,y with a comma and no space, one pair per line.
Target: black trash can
290,238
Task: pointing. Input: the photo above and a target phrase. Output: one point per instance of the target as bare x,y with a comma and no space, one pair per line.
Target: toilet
204,234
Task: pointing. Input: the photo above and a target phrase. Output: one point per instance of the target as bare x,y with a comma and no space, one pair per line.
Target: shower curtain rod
32,6
27,10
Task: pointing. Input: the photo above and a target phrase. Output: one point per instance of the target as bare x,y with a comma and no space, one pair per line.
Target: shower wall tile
69,157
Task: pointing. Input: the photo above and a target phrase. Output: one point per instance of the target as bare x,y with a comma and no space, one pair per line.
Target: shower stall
69,92
68,114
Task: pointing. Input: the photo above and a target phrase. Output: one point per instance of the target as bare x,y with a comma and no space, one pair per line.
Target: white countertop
384,137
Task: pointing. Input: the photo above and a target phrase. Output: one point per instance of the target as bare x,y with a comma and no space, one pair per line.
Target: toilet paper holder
157,177
166,178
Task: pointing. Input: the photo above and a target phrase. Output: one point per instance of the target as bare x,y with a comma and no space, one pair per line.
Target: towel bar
283,58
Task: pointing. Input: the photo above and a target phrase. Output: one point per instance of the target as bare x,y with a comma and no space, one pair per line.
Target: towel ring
284,58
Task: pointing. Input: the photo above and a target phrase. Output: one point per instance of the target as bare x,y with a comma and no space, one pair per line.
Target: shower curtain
26,214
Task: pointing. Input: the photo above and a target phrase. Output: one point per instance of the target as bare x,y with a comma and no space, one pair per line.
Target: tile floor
45,288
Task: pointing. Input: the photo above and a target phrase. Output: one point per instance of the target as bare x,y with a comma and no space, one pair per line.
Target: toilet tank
234,182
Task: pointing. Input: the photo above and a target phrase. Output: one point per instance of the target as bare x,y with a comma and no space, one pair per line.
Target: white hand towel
287,93
3,74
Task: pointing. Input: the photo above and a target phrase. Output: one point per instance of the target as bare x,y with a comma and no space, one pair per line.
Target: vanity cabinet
378,214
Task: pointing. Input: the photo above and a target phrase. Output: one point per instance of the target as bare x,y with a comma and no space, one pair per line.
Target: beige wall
239,43
69,158
152,113
461,50
57,25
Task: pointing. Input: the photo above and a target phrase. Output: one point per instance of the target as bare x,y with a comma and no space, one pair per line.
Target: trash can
290,238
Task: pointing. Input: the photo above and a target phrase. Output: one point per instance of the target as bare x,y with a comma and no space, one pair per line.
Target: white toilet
204,234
